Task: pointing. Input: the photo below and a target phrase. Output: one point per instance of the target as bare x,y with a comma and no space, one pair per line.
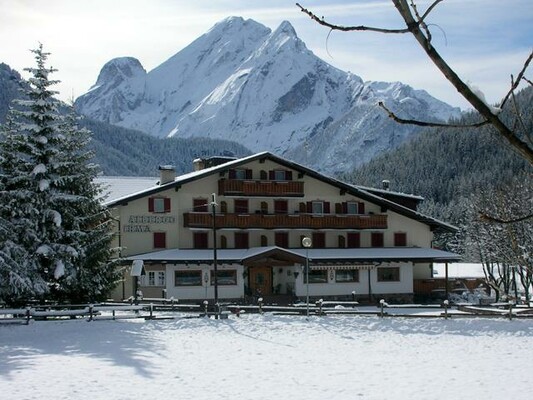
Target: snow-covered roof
414,254
116,187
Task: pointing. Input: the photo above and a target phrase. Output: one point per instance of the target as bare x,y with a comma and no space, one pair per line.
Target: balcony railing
234,187
271,221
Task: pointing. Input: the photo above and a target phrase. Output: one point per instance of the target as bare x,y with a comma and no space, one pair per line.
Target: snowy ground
268,357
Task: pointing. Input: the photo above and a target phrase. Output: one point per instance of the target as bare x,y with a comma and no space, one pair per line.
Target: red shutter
400,239
160,240
361,208
271,175
150,204
344,207
248,174
167,205
319,240
288,175
354,240
309,207
326,207
231,174
377,239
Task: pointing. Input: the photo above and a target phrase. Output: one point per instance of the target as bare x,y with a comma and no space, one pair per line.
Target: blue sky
484,40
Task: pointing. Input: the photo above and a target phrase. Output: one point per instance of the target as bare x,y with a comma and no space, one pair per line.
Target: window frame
322,273
394,276
233,272
191,272
355,276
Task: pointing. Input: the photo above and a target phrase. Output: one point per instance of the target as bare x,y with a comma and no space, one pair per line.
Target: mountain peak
120,69
286,28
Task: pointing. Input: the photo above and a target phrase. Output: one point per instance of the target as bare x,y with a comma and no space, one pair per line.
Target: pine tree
49,204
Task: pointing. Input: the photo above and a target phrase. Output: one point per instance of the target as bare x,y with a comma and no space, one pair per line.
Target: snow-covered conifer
49,208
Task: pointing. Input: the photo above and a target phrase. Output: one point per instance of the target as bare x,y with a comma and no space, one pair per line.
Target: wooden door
261,281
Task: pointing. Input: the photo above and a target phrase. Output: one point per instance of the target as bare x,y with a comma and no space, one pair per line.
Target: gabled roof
356,191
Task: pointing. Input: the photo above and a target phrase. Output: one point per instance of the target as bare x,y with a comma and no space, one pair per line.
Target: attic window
158,204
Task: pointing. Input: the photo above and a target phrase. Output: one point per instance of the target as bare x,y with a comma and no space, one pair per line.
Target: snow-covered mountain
263,89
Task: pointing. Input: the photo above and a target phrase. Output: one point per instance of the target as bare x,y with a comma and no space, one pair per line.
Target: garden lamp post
307,242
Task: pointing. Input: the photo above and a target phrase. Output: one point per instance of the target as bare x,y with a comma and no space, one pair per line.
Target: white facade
258,210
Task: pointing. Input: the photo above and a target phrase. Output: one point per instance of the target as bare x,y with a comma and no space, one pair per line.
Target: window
151,277
377,239
199,205
161,278
281,207
160,240
319,240
264,241
280,175
241,206
264,207
188,278
224,277
347,275
241,240
282,239
317,276
223,207
240,173
342,242
352,207
354,240
389,274
318,207
199,240
158,204
400,239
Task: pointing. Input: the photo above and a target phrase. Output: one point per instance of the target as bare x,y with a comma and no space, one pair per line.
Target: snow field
267,357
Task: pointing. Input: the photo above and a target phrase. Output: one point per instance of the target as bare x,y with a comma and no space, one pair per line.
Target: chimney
167,173
385,184
198,164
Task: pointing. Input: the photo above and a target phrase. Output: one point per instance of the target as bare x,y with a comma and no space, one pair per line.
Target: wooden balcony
271,221
234,187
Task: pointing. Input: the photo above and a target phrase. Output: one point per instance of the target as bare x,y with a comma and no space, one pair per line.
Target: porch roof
368,255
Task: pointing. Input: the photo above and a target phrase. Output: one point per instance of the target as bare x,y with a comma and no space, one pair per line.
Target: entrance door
261,280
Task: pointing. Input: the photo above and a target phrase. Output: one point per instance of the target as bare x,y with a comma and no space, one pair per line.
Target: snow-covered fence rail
15,315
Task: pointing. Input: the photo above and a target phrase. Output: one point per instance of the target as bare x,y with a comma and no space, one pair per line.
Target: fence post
205,308
446,309
319,304
260,301
91,312
28,315
381,304
151,310
510,311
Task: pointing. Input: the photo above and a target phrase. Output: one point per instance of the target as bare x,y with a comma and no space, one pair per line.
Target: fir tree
49,203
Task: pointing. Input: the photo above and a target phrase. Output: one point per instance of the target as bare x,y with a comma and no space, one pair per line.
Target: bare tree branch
518,79
431,7
489,218
527,80
334,27
428,124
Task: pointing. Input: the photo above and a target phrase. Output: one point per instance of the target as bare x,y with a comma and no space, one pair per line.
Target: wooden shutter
241,240
248,174
231,174
271,175
361,208
344,207
377,239
354,240
288,175
338,208
200,240
281,239
150,204
400,239
302,208
160,240
309,207
319,240
167,205
326,207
